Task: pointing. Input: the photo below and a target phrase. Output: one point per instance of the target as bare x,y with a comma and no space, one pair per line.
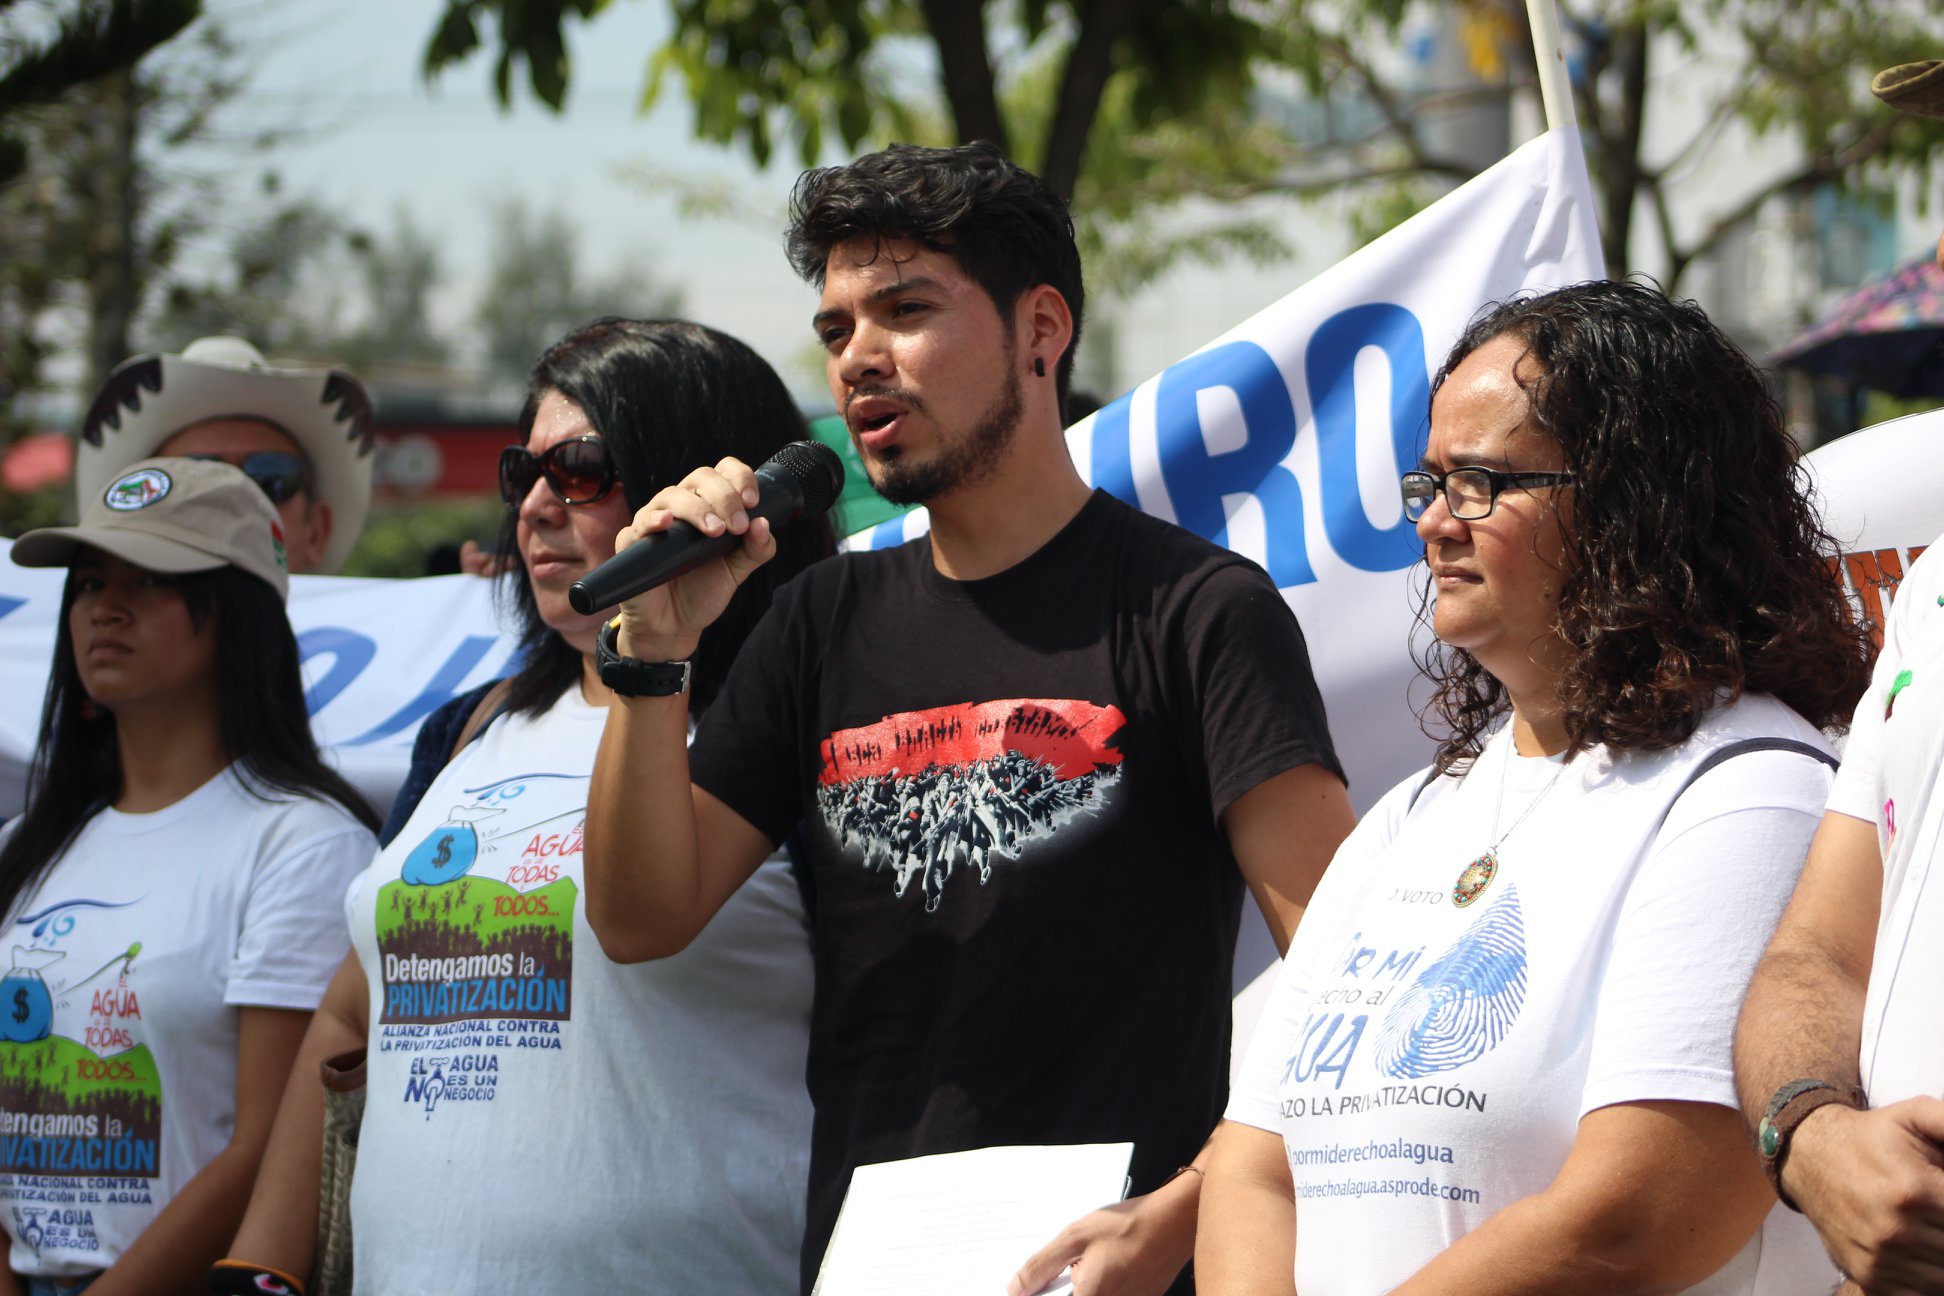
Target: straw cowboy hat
1916,88
149,398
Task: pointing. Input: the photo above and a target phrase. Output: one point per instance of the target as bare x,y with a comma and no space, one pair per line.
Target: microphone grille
817,471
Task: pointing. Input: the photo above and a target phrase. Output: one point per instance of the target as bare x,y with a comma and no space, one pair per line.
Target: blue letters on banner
350,653
1329,368
10,604
1197,480
444,687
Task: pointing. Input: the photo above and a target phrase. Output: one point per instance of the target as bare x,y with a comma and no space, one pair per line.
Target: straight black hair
262,719
665,397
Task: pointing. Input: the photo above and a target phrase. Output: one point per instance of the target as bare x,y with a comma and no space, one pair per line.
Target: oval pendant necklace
1478,874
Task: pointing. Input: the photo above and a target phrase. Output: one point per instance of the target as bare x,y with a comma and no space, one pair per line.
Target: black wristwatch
1786,1110
632,677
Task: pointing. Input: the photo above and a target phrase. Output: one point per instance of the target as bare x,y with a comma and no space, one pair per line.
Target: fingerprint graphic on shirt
1461,1006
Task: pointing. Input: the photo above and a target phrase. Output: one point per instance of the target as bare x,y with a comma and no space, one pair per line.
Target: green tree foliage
397,540
118,181
1792,70
814,70
537,289
301,279
1126,107
47,50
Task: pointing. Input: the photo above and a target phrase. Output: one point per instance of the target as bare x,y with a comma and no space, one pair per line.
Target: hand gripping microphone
800,480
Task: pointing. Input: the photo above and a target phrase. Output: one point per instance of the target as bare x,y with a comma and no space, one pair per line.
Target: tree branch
1622,147
965,66
1387,103
1088,65
92,44
1818,170
1446,168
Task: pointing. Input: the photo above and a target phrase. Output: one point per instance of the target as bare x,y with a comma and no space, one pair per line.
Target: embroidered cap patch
137,490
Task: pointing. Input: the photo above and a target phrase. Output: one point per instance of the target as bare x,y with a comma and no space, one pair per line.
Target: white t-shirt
539,1119
1889,778
1427,1063
118,1010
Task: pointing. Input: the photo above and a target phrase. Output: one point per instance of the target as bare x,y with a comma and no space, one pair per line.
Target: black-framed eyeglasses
579,470
1470,493
277,473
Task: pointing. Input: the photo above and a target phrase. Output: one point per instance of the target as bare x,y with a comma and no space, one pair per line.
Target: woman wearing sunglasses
537,1118
1497,1058
172,889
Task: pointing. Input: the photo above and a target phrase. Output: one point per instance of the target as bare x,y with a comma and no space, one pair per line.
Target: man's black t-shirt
1023,904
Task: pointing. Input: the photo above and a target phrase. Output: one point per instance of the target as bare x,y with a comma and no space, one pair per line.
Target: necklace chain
1511,749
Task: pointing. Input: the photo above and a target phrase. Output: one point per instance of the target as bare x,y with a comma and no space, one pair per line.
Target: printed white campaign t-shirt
1440,1027
118,1009
1889,778
537,1118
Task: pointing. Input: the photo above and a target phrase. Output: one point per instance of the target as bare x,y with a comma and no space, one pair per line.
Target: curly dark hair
1695,564
1003,226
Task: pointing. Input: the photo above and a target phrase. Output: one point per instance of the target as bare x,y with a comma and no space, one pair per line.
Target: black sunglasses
580,471
278,473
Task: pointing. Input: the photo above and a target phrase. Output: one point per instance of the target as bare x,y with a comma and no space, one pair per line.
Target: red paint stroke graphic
921,794
1067,735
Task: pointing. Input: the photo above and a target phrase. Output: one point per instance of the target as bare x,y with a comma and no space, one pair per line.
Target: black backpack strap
1743,748
1418,791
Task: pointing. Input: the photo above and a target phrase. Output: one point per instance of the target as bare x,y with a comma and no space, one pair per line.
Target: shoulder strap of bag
491,704
1714,758
1418,791
1743,748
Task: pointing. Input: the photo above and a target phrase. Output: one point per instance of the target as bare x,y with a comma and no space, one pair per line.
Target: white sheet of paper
961,1223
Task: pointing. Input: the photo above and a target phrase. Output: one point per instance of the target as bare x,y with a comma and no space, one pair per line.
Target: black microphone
800,480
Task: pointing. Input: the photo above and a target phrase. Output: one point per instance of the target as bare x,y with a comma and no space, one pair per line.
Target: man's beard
966,462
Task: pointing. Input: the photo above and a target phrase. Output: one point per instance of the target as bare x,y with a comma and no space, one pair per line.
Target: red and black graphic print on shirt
921,792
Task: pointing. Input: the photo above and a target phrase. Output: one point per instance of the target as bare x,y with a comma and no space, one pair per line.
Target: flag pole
1555,87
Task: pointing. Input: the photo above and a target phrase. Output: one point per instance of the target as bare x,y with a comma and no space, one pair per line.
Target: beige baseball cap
173,515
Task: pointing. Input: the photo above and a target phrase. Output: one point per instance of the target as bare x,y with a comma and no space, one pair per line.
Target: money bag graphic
446,853
26,1004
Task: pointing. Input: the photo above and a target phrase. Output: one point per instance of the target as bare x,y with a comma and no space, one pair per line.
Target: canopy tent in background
1887,335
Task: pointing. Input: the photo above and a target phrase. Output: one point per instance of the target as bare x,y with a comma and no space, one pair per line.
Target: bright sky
445,151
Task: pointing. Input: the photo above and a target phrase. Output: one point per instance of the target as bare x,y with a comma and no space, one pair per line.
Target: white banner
379,656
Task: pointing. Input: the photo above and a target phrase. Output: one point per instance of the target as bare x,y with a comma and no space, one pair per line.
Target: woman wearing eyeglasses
537,1118
1497,1058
